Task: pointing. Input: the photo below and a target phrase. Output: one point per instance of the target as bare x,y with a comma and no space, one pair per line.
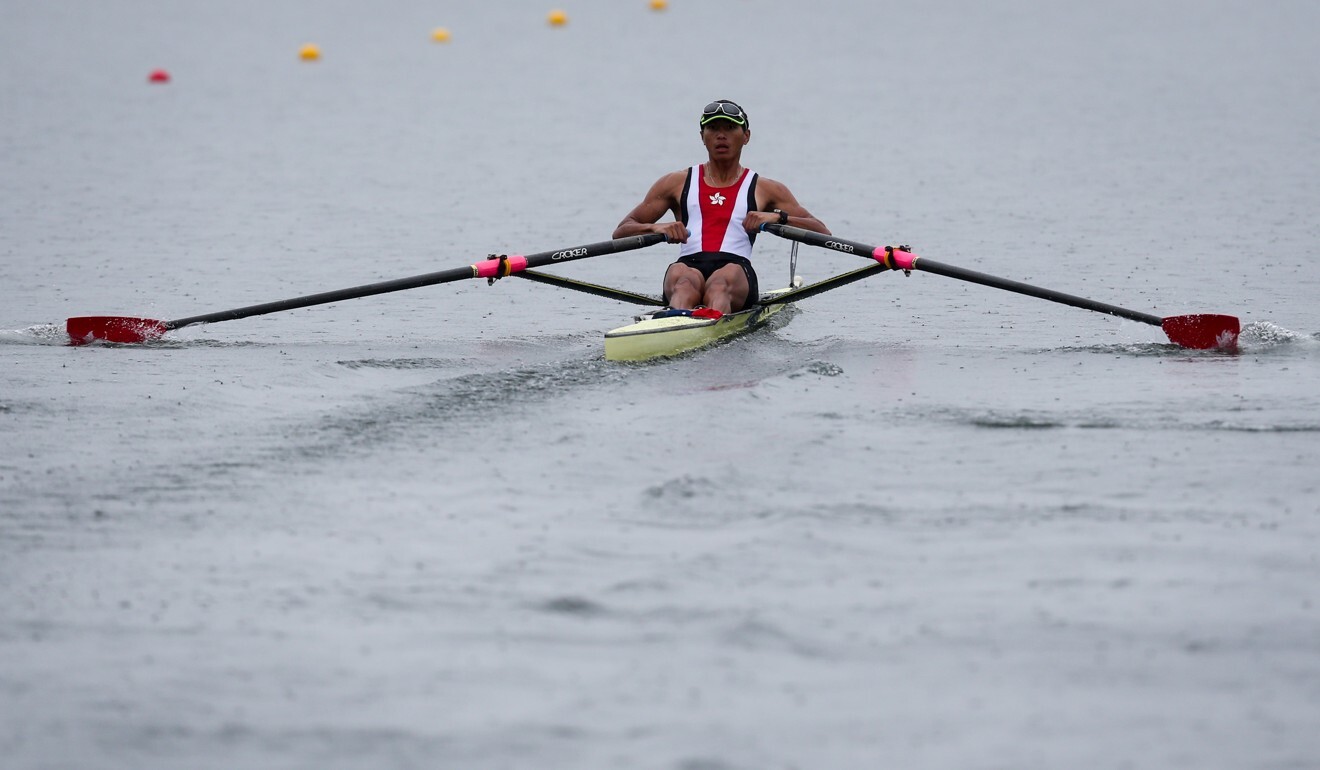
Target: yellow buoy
557,18
440,35
309,52
659,5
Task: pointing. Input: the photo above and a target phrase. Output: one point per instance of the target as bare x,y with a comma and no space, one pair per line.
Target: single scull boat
663,333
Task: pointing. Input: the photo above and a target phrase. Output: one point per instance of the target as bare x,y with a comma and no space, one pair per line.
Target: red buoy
158,76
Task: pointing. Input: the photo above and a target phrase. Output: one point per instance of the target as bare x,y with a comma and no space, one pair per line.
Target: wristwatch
783,216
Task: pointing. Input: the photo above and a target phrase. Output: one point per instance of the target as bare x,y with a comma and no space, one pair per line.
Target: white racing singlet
714,215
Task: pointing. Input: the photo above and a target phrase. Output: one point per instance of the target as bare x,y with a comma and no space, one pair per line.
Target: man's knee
727,283
686,283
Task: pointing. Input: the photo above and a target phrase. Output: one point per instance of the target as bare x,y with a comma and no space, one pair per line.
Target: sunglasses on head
728,110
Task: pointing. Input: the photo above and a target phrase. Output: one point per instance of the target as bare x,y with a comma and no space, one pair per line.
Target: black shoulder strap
751,201
683,199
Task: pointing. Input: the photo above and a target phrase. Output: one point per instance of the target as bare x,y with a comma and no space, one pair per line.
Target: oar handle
900,260
486,268
832,242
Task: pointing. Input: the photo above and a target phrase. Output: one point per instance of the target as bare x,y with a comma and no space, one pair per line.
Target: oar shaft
324,297
930,266
607,292
487,268
963,274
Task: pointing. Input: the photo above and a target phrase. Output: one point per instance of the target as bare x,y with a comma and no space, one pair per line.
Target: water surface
921,524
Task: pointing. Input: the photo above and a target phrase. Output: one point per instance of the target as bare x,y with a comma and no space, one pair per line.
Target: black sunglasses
729,110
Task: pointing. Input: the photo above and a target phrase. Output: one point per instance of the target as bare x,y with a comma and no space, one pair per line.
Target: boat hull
662,337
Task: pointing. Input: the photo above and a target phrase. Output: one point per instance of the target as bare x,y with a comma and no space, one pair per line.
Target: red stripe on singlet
715,216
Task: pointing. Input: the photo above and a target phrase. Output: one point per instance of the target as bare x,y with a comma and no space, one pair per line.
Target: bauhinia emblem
717,199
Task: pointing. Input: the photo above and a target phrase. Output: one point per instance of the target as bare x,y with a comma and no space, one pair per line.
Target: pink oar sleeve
895,259
490,268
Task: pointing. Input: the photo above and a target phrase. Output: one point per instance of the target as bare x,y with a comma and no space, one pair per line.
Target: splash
41,334
820,368
1259,335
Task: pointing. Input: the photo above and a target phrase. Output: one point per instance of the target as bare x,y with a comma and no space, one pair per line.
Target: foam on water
1259,336
42,334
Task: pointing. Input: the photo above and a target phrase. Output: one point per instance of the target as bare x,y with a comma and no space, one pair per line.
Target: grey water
919,523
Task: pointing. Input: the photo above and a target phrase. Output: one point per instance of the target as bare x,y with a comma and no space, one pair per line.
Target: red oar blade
1205,331
112,328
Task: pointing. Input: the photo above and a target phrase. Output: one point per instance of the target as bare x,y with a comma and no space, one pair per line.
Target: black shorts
709,261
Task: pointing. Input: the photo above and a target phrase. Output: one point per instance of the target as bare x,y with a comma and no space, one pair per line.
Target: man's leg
726,291
684,286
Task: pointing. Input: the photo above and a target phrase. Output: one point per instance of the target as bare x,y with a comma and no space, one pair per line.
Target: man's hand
755,219
674,232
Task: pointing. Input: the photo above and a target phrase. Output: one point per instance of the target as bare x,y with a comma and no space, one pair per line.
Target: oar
1202,331
607,292
127,329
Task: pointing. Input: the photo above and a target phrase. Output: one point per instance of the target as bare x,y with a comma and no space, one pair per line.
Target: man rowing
723,205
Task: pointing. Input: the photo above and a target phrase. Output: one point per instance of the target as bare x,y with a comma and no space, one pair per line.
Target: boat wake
449,406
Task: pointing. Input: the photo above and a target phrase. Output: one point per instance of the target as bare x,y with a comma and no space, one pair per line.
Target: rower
723,205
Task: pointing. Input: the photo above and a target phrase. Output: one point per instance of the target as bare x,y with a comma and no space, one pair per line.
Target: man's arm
771,195
662,197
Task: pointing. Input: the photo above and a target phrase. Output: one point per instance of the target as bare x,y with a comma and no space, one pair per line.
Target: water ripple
575,606
402,363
